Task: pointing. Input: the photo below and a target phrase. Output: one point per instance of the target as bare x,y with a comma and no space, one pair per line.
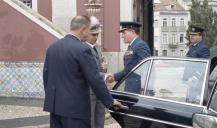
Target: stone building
28,27
170,25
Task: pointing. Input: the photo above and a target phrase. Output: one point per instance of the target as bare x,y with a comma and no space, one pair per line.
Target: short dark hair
78,21
137,30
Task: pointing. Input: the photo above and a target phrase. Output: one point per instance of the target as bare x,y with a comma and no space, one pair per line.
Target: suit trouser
97,113
57,121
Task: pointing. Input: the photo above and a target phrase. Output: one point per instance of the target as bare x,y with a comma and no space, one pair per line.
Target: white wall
126,14
63,11
126,10
35,5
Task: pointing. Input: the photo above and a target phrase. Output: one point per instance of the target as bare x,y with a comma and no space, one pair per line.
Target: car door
162,98
208,119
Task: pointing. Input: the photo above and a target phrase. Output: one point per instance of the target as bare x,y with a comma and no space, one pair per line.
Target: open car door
171,91
208,119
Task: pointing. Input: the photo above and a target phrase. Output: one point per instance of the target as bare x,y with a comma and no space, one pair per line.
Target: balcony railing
172,46
173,29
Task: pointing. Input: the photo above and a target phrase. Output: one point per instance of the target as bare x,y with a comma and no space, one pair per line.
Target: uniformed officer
137,50
192,76
198,48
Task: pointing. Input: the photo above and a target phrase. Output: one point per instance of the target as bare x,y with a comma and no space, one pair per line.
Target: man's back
68,72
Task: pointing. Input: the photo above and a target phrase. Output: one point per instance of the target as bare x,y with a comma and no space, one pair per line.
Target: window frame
27,3
181,37
165,22
148,75
182,22
164,38
173,22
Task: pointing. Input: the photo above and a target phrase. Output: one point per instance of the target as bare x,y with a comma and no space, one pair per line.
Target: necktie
94,48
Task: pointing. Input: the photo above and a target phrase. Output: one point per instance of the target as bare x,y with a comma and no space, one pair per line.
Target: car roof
212,61
177,58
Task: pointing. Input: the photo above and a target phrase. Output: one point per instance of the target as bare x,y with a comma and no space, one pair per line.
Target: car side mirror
204,121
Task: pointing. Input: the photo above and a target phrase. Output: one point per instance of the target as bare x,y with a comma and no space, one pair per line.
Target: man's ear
83,28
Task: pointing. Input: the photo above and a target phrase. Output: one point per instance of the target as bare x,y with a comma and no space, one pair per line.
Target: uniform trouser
57,121
97,113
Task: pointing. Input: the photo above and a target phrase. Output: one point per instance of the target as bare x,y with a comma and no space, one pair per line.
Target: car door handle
125,107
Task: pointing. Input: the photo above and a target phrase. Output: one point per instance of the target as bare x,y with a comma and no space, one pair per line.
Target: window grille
27,2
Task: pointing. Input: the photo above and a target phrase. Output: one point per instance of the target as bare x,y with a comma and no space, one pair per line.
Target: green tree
203,15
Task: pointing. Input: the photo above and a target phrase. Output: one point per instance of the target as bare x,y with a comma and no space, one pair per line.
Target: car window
135,82
213,104
212,78
176,80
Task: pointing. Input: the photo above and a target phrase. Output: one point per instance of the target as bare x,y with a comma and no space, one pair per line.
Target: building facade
30,26
170,25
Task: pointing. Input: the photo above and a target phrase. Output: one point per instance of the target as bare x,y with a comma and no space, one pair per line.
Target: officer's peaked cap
95,26
129,25
196,29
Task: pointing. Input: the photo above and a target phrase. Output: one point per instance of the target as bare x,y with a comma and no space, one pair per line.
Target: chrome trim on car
174,58
151,119
204,85
156,98
148,75
170,58
212,110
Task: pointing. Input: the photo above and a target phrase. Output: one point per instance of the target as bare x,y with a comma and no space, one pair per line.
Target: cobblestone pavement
28,114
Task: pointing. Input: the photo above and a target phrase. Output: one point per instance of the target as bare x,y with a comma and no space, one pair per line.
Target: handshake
109,77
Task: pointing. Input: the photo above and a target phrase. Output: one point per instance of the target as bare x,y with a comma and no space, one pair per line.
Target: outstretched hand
110,78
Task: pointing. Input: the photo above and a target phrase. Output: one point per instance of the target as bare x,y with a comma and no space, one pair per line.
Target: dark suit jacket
69,70
200,50
136,52
98,57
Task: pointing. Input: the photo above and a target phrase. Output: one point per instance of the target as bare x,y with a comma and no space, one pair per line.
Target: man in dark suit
137,51
198,48
97,108
69,70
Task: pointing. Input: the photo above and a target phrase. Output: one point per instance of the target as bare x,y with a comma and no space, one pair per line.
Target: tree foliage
203,15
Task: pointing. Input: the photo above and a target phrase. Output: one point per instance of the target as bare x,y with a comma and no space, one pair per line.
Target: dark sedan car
207,119
204,121
172,90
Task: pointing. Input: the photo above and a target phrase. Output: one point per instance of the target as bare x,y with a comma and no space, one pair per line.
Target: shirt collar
133,40
89,44
75,36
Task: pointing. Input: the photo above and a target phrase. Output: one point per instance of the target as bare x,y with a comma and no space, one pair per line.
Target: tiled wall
21,79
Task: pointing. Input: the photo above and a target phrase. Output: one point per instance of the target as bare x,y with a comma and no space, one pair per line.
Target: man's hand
116,104
110,78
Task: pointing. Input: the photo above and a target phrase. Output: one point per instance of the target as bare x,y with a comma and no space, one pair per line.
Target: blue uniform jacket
200,50
136,52
69,70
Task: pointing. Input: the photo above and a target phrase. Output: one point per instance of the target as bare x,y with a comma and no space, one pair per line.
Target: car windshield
179,80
